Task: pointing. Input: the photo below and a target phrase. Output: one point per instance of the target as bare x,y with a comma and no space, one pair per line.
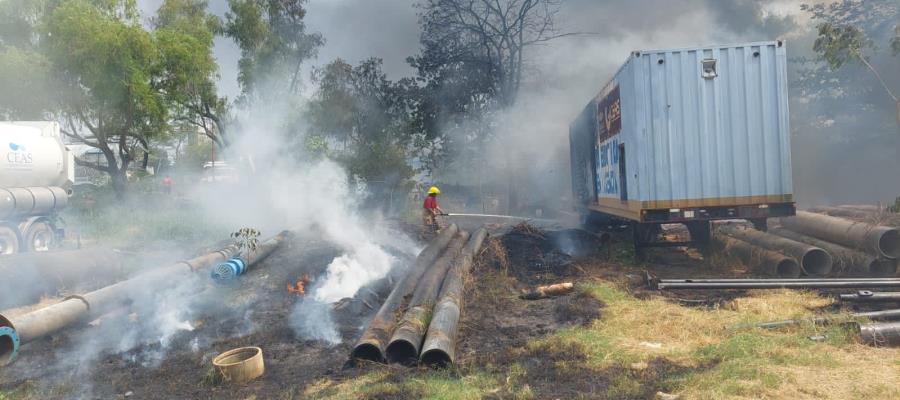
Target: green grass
97,215
718,362
450,384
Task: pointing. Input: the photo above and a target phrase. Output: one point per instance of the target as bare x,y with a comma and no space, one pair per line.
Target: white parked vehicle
36,177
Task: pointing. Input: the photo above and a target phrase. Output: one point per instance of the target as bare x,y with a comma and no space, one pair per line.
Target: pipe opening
402,352
368,351
6,348
816,262
788,268
889,243
436,358
9,341
883,268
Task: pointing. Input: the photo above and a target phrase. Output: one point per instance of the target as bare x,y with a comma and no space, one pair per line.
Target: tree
185,32
363,116
274,43
24,71
487,37
473,62
849,34
106,66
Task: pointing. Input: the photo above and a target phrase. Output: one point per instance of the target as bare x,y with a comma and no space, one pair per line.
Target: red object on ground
167,181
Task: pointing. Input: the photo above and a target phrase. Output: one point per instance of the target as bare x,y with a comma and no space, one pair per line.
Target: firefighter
430,210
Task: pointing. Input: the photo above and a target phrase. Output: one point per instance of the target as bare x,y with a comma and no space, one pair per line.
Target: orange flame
300,287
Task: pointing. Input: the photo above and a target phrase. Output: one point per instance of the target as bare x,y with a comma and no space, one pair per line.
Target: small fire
299,287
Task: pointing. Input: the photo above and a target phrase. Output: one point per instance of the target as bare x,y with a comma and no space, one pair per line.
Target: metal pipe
776,284
230,269
862,207
844,258
25,277
25,328
884,315
374,339
880,334
844,212
866,296
881,241
763,280
440,341
813,260
410,333
759,259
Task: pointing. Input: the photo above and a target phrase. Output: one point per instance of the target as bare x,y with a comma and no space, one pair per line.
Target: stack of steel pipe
407,339
844,212
807,283
764,261
439,348
845,259
813,261
881,241
371,345
425,327
39,323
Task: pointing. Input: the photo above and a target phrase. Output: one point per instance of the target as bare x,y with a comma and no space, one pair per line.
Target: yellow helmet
434,190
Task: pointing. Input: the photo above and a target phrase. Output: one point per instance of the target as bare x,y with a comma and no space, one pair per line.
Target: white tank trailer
36,177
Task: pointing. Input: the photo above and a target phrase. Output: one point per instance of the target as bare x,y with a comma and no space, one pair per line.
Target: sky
358,29
562,75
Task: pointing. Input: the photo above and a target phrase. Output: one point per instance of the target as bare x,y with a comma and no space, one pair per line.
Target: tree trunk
119,181
145,160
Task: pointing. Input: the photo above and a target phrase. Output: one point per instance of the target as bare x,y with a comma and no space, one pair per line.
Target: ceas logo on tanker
18,155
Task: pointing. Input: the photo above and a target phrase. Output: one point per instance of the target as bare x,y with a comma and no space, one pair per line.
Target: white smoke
311,319
285,191
349,272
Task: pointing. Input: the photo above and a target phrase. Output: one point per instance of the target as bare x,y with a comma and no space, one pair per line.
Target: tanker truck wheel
9,240
39,237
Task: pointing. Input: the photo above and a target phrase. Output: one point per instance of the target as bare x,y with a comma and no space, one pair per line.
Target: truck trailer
36,177
686,136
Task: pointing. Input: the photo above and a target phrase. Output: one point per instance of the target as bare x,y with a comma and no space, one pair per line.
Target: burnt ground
496,327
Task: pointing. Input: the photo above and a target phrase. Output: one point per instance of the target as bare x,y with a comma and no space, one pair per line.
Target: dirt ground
498,330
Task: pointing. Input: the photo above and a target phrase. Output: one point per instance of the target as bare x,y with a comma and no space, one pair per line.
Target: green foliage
839,45
185,33
24,77
365,116
246,239
274,43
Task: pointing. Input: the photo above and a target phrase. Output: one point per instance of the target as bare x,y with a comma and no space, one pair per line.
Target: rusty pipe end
788,268
436,358
367,351
816,262
9,341
403,351
883,268
889,243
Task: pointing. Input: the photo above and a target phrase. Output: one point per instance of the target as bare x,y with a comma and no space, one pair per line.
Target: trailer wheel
39,237
9,240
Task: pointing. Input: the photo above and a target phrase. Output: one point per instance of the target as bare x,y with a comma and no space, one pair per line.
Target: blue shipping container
688,134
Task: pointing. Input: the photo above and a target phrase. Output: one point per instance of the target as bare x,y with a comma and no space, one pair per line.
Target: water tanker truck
36,177
686,136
